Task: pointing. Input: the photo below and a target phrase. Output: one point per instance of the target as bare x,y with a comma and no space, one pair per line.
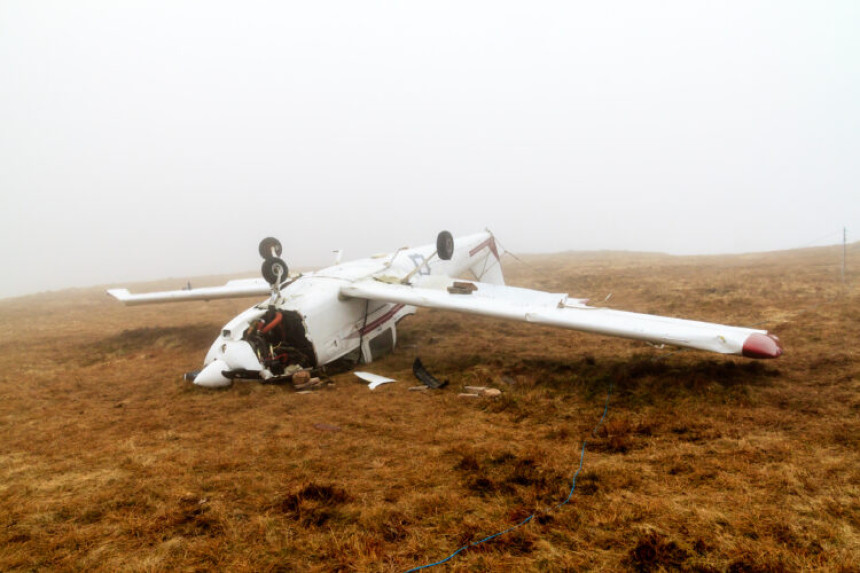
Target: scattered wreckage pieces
425,377
310,384
480,392
431,381
303,381
374,379
295,373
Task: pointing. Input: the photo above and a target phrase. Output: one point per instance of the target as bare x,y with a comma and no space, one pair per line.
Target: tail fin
486,262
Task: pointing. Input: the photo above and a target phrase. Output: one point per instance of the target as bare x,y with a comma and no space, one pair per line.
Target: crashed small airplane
350,311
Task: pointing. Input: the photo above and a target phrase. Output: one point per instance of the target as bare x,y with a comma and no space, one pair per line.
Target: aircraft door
380,344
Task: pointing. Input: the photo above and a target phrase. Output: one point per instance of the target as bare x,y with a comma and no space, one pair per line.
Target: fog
145,140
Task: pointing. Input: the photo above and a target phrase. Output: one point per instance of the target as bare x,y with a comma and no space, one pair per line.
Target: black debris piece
425,377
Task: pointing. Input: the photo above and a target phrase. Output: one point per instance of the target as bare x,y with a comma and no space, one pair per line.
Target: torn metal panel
425,377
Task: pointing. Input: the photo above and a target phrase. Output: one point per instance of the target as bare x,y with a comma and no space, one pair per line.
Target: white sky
143,140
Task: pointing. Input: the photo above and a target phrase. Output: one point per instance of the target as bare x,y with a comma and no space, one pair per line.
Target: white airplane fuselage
322,326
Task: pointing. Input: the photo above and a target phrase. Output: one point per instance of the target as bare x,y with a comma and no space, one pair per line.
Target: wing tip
759,345
121,294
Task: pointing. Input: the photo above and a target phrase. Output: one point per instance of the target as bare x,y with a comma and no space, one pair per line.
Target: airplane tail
485,261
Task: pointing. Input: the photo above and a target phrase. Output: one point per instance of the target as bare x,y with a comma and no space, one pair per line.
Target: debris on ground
311,383
425,377
374,379
480,392
418,388
292,369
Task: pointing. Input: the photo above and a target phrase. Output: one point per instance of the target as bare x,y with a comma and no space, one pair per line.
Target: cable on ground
532,516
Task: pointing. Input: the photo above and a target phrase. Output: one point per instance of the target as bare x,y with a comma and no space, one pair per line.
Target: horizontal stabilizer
233,289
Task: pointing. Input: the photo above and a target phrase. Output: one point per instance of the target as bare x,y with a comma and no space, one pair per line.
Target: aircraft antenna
844,243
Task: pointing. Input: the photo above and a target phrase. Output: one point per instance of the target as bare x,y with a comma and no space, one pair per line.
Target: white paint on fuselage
334,323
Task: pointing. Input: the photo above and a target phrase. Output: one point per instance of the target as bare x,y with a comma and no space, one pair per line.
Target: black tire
270,270
445,246
266,246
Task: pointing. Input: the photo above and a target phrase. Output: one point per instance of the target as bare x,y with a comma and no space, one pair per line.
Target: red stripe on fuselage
491,242
382,319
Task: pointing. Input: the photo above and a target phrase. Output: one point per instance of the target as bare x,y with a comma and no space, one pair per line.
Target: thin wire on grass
507,252
532,516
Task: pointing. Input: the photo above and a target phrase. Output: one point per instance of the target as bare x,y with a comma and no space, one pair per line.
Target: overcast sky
145,140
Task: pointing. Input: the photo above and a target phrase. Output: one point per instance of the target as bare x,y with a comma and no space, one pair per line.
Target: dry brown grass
110,461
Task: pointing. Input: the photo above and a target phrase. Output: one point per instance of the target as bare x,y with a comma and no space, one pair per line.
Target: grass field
110,461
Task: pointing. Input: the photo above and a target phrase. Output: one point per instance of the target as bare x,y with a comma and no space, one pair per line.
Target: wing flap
233,289
556,309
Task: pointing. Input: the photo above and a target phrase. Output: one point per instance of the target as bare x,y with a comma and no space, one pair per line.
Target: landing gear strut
274,269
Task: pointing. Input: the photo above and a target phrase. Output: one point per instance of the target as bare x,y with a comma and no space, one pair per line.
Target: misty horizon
140,141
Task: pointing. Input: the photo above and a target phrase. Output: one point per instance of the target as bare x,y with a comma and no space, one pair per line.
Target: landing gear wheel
266,246
445,245
274,270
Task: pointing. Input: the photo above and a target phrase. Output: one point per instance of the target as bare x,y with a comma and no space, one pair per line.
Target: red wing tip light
762,346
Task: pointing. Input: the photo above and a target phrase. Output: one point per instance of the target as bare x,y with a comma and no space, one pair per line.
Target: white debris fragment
374,379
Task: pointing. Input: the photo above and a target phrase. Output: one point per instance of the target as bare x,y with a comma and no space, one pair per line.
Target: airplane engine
262,343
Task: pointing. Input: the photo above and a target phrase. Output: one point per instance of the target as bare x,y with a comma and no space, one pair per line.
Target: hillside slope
110,461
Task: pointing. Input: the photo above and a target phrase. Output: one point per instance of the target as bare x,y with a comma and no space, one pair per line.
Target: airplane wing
557,309
233,289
